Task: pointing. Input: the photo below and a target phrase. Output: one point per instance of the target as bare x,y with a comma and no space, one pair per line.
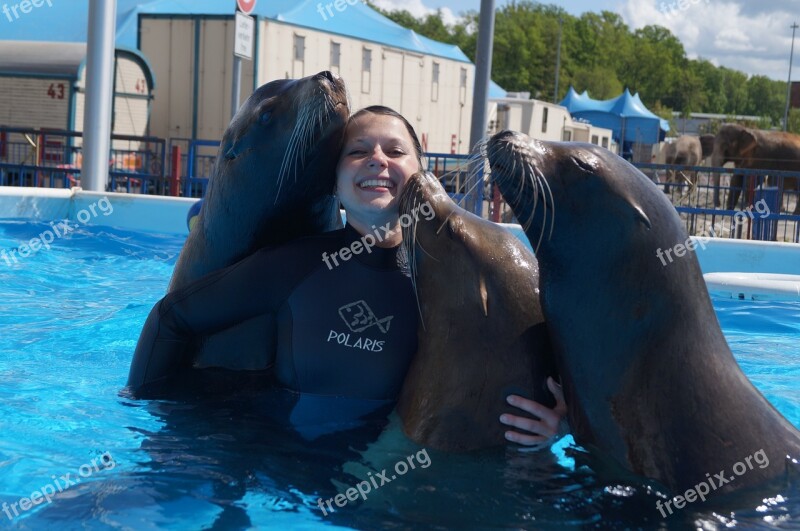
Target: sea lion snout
330,76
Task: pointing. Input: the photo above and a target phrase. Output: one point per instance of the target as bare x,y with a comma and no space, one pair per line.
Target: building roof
67,21
42,58
624,115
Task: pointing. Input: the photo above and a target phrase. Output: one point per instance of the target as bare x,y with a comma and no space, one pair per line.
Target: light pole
99,94
483,71
789,82
558,58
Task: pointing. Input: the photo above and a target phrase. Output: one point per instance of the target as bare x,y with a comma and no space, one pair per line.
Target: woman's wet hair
387,111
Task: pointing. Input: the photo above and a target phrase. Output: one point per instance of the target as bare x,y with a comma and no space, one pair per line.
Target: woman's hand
544,429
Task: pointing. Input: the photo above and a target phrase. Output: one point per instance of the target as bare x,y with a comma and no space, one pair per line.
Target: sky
748,35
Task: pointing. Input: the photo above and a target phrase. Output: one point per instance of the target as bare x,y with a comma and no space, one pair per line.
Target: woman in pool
346,323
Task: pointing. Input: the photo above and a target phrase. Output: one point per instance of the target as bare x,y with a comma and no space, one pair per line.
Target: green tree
600,81
766,97
601,54
794,121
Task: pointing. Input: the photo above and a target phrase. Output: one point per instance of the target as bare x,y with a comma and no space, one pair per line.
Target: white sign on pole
245,34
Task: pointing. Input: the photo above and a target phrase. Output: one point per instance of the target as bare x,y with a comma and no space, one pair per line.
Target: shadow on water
229,462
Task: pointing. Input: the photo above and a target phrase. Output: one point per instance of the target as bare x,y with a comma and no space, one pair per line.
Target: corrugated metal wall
168,45
34,102
400,79
131,99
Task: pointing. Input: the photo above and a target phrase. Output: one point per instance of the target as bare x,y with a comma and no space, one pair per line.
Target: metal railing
721,202
53,159
732,202
197,164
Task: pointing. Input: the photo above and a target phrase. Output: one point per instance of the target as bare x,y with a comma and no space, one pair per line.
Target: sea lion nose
330,76
503,135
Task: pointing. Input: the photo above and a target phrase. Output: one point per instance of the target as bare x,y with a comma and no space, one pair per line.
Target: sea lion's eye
264,118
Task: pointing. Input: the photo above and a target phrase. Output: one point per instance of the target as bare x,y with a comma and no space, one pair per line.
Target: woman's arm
542,430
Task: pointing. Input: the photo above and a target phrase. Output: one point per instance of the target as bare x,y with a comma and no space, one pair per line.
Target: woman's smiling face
377,160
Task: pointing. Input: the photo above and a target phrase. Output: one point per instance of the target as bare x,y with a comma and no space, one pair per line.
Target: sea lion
274,175
273,182
481,334
648,376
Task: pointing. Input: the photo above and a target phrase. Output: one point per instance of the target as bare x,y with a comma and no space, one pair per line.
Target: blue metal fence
733,202
722,202
53,159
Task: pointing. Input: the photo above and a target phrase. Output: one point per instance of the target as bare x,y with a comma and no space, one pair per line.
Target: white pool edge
148,213
168,215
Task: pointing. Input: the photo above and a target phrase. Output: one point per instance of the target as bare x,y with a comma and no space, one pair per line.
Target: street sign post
245,30
244,37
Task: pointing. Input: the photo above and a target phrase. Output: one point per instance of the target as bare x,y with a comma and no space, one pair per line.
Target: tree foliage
601,54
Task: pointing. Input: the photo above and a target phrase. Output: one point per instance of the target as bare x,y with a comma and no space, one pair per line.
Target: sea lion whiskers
309,119
408,243
541,182
476,162
532,181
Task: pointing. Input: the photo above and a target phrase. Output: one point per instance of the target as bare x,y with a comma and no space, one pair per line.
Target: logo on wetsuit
358,316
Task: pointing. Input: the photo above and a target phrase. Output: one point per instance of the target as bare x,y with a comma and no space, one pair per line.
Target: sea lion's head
441,240
576,199
291,129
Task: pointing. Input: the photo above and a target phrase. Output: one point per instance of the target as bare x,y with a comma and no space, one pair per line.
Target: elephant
687,151
753,148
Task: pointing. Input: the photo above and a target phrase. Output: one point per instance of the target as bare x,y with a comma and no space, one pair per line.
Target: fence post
766,229
495,203
175,171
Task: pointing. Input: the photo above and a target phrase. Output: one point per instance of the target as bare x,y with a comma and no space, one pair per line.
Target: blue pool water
69,320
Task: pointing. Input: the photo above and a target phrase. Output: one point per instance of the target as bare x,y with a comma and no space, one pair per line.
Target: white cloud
416,8
731,33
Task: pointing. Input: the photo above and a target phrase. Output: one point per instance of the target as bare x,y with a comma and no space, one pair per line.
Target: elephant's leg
737,180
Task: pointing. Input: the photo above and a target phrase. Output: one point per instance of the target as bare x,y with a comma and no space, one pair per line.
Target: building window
336,53
463,86
544,119
605,142
567,136
435,86
595,140
366,70
366,62
299,48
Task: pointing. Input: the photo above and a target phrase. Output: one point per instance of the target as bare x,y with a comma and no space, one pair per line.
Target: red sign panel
246,6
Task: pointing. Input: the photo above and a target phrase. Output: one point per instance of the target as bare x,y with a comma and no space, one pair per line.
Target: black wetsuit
345,333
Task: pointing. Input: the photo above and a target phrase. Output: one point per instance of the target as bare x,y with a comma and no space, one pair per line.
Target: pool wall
127,211
168,215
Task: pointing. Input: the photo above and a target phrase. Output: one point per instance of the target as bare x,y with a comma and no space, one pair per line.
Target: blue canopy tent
627,117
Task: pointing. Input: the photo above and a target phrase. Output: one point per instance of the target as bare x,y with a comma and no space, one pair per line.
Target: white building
43,85
190,48
544,121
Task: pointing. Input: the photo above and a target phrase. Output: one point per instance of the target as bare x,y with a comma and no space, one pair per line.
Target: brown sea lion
274,176
273,182
648,377
481,331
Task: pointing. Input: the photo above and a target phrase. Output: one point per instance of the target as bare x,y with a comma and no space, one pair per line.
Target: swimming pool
70,318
